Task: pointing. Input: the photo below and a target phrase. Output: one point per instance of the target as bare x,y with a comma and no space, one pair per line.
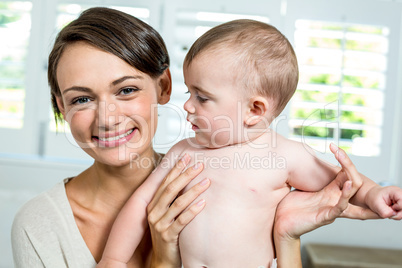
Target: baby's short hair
263,56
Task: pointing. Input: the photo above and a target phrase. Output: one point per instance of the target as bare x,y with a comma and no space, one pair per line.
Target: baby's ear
257,110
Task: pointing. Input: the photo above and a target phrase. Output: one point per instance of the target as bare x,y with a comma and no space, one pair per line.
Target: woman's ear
165,90
257,110
60,105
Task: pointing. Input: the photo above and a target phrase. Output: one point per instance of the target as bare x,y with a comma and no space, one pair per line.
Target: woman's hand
301,212
168,214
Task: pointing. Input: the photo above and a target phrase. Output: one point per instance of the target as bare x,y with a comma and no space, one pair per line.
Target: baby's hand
386,201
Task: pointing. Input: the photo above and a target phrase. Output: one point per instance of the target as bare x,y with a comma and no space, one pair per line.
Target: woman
107,73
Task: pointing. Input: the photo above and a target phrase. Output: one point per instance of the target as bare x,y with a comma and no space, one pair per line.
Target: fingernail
341,154
185,159
204,182
196,166
201,202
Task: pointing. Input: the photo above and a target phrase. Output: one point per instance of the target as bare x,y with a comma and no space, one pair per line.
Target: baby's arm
308,173
131,223
126,233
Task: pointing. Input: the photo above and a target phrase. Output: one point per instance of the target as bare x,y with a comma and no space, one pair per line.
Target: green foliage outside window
5,18
12,72
325,79
362,82
353,99
325,42
352,117
315,114
350,134
365,29
315,96
363,46
310,131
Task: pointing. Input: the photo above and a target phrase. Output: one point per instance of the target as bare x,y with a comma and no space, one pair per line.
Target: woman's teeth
117,137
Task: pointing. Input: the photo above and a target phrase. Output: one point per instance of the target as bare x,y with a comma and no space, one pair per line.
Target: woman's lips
113,140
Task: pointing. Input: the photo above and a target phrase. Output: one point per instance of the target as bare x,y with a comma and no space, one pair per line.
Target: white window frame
383,167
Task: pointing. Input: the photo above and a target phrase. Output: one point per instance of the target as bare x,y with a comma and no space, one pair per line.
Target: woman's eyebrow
124,78
114,83
76,88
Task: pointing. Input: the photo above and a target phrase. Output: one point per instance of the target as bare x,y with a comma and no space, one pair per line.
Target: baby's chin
215,144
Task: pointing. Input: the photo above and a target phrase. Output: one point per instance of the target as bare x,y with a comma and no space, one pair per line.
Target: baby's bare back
235,227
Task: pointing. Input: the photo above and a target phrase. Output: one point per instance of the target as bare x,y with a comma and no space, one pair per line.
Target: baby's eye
80,100
201,99
128,90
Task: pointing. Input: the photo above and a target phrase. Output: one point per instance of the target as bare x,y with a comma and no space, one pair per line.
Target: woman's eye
80,100
128,90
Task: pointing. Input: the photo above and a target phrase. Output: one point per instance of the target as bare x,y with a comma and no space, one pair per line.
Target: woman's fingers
178,168
346,210
170,211
178,210
178,207
343,202
169,190
347,166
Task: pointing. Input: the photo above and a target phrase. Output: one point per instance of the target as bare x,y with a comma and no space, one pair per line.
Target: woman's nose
109,115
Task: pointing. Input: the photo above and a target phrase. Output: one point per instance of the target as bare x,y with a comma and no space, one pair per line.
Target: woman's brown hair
113,31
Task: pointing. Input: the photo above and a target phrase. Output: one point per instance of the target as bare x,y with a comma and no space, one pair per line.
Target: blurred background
349,92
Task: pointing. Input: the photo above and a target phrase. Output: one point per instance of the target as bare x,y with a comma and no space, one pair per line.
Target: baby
240,76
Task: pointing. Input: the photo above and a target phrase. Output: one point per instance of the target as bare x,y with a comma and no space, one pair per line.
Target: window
348,82
340,96
15,26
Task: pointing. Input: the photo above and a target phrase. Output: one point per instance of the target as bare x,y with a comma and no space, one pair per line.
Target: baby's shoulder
281,143
188,145
291,149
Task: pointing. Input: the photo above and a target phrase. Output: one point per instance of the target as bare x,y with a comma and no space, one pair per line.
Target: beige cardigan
44,233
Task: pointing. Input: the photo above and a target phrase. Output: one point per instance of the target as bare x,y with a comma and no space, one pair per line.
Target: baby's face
217,105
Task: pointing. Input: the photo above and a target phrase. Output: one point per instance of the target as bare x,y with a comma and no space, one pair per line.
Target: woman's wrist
287,246
287,251
163,263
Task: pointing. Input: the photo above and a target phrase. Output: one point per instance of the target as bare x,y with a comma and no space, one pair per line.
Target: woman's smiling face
110,106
